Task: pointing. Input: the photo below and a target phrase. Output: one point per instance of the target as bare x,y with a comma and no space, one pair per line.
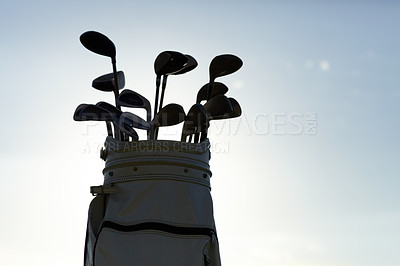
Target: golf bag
154,208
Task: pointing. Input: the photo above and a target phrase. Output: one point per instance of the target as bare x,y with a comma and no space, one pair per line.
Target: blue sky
309,175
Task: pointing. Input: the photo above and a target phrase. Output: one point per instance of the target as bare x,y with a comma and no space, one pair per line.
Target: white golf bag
154,207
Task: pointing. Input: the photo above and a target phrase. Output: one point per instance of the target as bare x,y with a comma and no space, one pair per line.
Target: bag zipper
159,227
178,230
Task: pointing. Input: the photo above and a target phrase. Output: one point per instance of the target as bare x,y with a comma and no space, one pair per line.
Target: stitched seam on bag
158,176
122,165
170,157
155,177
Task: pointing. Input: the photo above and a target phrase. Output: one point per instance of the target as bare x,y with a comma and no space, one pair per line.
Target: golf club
169,115
106,82
132,99
100,44
196,120
128,130
78,110
222,65
219,88
115,113
166,63
190,64
134,121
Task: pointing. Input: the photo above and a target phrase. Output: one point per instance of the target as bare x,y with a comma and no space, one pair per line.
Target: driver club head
98,43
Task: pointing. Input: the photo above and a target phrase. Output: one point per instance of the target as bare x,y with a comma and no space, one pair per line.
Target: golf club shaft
109,129
210,89
158,81
118,134
164,85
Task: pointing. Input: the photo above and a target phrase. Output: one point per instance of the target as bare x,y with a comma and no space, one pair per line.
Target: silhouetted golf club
115,113
134,121
106,82
166,63
196,120
190,64
169,115
236,109
219,89
100,44
132,99
218,107
78,110
222,65
128,130
91,112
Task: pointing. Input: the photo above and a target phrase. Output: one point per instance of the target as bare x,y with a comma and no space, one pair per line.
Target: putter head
218,89
98,43
106,82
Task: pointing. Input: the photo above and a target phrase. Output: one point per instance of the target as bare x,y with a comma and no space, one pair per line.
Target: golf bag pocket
160,211
153,244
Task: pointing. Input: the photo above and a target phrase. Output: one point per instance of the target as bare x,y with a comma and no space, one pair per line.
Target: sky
307,176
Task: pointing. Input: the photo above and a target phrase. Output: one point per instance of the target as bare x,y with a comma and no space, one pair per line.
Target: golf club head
223,65
78,111
169,115
92,112
191,64
133,121
237,110
106,82
98,43
110,109
219,89
218,107
132,99
169,62
196,120
128,130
